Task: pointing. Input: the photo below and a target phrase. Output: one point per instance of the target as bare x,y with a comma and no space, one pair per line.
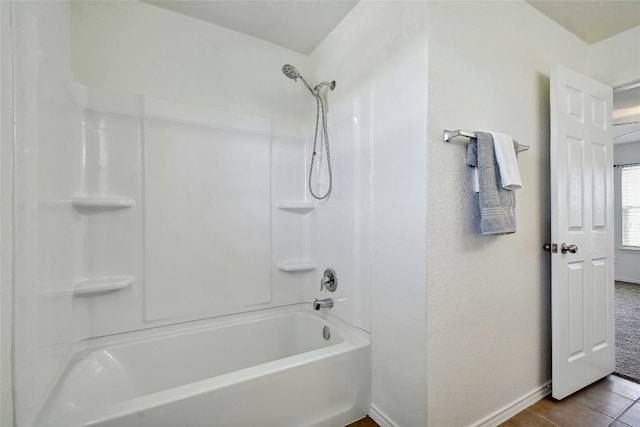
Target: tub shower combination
291,364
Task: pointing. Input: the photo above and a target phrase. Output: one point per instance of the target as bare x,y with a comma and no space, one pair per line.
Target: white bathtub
265,368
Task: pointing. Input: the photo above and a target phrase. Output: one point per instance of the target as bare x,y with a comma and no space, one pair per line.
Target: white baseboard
508,411
637,282
380,417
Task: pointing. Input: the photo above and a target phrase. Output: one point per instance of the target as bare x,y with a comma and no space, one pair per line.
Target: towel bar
450,134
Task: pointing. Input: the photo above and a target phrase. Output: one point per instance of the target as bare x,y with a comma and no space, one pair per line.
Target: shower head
291,71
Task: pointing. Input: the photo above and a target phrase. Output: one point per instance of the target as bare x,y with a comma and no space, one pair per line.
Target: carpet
628,331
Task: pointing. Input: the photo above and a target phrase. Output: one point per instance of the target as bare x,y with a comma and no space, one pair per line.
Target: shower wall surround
340,228
217,209
48,234
134,212
197,237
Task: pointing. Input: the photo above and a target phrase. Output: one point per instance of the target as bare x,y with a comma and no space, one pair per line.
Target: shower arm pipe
316,90
331,85
450,134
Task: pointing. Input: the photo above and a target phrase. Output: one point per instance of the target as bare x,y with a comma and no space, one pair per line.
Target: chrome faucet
322,303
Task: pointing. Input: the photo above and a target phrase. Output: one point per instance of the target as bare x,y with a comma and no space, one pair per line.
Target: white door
582,294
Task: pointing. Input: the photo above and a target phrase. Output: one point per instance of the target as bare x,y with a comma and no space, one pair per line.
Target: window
631,206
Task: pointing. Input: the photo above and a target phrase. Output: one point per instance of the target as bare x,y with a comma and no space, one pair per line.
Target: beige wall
488,298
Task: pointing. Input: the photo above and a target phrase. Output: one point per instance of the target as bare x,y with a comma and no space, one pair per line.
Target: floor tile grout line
619,394
544,418
625,411
613,417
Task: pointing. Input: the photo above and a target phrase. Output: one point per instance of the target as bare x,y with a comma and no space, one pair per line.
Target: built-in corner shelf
292,266
297,207
101,285
94,201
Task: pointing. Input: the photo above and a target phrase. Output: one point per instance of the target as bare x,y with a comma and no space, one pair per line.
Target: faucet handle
329,280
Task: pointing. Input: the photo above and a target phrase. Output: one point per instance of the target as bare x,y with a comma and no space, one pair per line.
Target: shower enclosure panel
207,219
47,232
188,190
293,267
109,199
340,228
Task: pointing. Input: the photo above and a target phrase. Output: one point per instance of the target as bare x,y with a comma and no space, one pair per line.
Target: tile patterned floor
612,401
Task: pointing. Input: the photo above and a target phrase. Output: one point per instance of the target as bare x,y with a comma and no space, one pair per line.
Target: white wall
616,60
137,48
626,260
488,298
378,53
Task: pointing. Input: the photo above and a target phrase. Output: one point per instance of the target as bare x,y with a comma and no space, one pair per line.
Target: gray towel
497,205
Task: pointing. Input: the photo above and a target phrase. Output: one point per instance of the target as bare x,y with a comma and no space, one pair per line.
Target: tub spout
322,303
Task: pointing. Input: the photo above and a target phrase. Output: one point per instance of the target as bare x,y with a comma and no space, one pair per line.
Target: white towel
507,161
475,180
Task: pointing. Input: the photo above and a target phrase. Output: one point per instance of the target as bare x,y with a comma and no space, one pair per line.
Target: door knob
570,248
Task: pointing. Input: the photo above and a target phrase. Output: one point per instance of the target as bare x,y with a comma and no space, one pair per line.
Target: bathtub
265,368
